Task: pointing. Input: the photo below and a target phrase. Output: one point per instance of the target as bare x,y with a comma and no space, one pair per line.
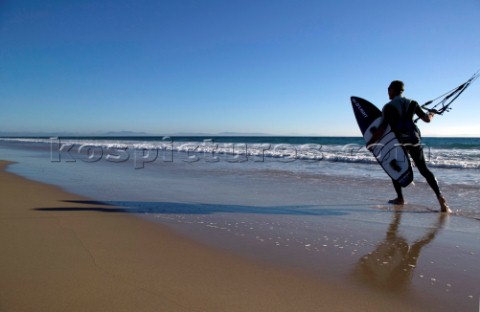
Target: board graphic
388,151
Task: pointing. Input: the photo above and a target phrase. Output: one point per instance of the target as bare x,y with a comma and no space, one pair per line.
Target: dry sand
102,259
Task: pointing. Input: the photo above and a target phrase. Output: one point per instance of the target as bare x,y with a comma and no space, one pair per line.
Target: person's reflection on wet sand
390,266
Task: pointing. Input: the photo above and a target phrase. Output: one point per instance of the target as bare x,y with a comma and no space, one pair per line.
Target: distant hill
124,133
219,134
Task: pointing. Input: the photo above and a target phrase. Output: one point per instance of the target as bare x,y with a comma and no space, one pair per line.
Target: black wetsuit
401,110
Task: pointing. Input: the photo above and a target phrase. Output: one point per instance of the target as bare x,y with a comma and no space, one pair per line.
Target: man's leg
398,189
419,158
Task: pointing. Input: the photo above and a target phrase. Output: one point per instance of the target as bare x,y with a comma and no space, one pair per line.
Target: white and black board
390,154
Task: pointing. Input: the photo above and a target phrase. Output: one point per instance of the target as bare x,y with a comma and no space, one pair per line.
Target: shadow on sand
197,208
201,208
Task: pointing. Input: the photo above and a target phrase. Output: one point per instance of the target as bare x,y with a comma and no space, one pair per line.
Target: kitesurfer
399,113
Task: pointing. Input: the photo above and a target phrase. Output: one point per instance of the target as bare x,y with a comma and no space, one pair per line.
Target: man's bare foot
396,201
443,205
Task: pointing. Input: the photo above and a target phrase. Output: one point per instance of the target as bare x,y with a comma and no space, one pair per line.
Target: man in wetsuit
399,113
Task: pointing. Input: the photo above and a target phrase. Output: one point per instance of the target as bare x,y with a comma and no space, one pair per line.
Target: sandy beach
59,254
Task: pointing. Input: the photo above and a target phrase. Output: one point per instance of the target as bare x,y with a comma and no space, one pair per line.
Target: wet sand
62,252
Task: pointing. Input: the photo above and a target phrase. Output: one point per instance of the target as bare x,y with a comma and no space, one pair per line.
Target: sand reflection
391,265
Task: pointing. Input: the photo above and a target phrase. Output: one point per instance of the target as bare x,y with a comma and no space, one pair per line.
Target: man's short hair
397,85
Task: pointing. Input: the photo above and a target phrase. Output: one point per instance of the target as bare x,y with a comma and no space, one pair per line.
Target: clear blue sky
280,67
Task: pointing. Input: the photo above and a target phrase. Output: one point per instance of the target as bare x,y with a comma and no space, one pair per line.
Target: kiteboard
388,151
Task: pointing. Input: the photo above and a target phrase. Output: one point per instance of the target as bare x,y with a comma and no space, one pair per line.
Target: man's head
396,88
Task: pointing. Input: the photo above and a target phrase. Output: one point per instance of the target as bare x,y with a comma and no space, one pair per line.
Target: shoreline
60,253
